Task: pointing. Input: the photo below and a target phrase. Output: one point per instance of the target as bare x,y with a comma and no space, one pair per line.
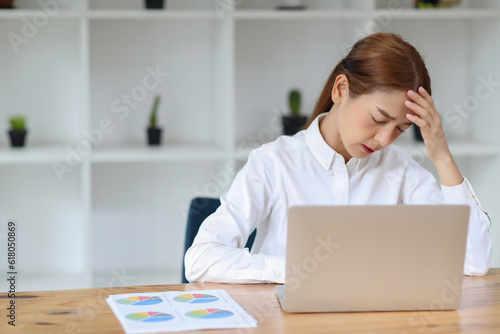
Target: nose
385,137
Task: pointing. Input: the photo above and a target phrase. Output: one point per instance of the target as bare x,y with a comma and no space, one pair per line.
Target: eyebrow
385,114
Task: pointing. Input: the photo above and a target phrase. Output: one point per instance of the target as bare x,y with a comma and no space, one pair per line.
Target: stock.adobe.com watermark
301,272
379,20
421,320
462,111
121,107
11,272
222,7
88,308
32,25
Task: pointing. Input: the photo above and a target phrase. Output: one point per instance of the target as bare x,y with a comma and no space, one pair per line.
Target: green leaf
17,122
294,101
154,110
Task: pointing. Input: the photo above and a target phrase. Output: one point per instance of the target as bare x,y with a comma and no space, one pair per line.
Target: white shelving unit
97,207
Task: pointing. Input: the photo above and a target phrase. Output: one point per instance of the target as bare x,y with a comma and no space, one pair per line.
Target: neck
329,129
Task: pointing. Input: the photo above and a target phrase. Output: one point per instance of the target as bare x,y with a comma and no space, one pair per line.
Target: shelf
115,278
313,14
157,154
32,155
458,149
112,14
431,14
29,13
298,15
243,154
405,14
49,154
148,15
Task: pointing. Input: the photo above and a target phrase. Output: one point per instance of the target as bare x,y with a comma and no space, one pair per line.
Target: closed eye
380,122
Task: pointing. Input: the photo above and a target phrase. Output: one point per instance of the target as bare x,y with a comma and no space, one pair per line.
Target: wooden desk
86,311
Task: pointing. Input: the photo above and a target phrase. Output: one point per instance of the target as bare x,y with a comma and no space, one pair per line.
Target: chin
358,155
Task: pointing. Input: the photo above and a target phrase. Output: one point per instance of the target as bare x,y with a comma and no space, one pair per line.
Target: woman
344,157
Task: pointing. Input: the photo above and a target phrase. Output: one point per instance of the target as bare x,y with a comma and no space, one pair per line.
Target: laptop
374,258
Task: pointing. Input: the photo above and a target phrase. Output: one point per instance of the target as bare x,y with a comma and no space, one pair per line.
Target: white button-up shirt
305,170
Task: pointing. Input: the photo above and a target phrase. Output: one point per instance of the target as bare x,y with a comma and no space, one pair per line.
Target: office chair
201,208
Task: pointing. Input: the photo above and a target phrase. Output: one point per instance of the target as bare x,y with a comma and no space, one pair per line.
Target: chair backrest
199,210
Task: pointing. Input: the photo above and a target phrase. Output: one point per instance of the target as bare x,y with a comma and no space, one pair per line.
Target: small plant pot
17,137
155,4
154,136
417,133
292,124
436,3
6,4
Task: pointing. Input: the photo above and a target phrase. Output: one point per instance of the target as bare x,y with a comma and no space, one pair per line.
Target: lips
367,149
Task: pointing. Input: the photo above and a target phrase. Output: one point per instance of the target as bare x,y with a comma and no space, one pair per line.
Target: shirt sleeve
217,253
478,255
421,188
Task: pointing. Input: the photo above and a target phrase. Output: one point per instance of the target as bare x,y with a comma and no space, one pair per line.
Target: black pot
417,133
293,124
17,137
291,7
154,4
154,136
434,3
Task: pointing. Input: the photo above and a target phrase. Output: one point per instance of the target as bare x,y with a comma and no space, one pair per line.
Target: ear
340,89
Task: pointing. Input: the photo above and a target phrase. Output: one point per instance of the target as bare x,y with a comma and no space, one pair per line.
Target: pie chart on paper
140,300
149,316
209,313
195,298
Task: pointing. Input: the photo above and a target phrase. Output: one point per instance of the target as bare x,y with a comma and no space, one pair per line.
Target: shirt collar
360,163
321,151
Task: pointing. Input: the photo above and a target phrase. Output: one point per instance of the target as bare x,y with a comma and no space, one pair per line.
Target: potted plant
435,3
6,4
295,122
155,4
154,132
17,132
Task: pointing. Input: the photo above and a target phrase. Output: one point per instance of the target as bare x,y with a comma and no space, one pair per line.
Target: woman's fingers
428,119
422,116
417,120
423,93
421,105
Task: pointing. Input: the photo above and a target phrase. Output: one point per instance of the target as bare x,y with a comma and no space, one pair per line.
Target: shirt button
326,164
341,181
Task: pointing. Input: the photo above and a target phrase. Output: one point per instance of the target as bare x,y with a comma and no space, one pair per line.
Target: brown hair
378,62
